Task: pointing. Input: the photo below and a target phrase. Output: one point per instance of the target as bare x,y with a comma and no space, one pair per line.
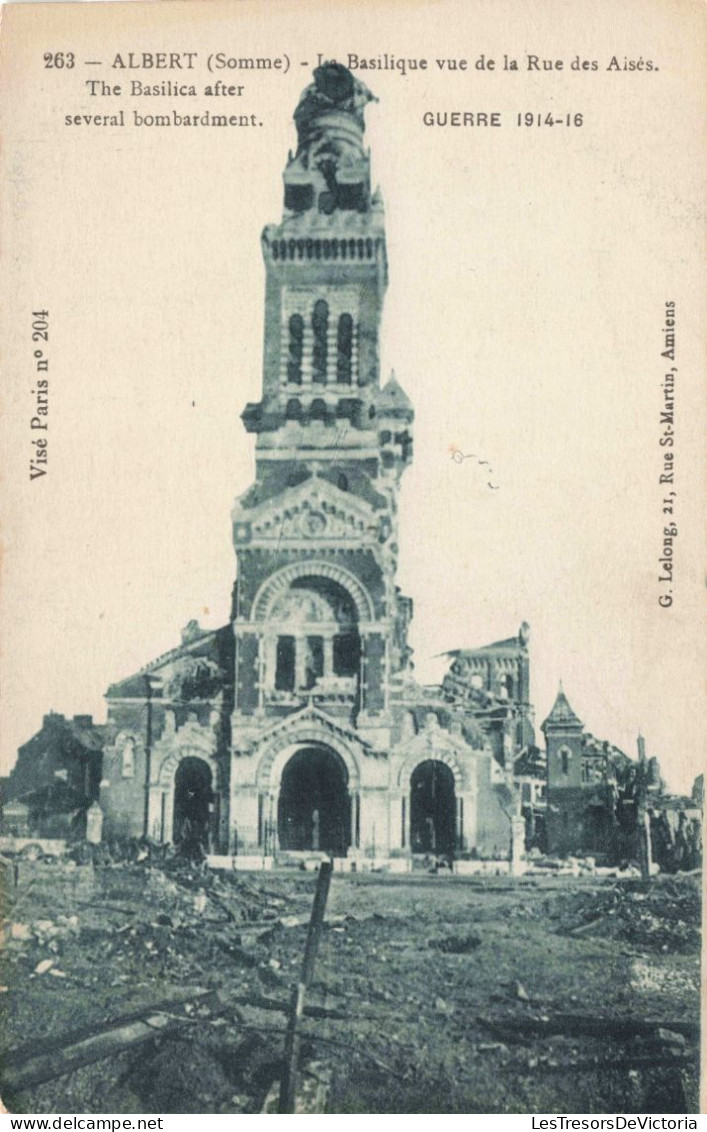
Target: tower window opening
320,326
344,408
313,661
347,654
342,482
565,756
298,198
344,347
296,343
285,664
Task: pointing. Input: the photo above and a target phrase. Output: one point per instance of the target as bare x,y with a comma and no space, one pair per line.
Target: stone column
466,802
94,824
459,824
355,820
244,821
267,677
300,660
517,846
399,821
375,819
155,807
273,835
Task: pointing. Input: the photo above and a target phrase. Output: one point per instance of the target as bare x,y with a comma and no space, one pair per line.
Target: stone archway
314,804
193,803
433,809
284,578
308,731
167,759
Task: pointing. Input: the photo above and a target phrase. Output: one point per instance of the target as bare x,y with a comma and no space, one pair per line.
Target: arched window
128,759
344,345
294,364
342,482
318,410
293,410
320,326
506,688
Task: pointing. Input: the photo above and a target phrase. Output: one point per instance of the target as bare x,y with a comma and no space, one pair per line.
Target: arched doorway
193,802
432,809
314,808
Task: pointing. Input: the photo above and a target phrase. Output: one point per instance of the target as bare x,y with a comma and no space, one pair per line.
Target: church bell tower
319,621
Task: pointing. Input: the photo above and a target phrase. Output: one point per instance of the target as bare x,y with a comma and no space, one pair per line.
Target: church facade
299,727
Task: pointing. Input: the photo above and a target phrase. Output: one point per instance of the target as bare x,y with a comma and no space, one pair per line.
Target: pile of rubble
661,915
539,864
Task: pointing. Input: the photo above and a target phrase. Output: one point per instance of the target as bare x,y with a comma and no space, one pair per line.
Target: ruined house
55,779
599,801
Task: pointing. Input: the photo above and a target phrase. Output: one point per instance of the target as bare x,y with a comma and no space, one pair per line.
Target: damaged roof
562,713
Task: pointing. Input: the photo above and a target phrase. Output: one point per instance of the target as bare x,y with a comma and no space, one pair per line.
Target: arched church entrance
193,803
314,808
432,809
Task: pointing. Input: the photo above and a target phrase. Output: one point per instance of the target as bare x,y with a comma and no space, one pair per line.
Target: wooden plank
108,1044
589,1025
310,1010
26,1052
63,1053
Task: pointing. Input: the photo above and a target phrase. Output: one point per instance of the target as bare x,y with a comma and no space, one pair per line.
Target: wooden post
148,757
642,816
292,1037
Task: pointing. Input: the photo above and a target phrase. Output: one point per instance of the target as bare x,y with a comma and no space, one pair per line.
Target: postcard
353,496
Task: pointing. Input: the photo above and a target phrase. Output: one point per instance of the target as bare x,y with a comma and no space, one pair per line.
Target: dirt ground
433,994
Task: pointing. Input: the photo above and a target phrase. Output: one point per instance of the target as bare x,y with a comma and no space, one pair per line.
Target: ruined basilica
298,727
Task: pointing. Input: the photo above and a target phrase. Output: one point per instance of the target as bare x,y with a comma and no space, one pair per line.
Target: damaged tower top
331,168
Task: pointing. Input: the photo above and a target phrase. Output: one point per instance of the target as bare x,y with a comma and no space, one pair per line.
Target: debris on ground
664,914
456,944
431,995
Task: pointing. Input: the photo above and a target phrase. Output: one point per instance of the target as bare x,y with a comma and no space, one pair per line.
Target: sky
529,272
